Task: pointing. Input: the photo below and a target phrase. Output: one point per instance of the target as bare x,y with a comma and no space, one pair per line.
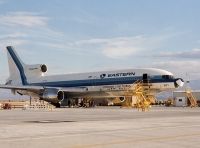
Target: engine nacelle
35,70
53,96
118,100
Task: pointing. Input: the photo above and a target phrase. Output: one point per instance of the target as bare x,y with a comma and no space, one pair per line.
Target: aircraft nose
179,82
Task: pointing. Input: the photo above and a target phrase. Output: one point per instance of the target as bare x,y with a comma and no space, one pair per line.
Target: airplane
30,80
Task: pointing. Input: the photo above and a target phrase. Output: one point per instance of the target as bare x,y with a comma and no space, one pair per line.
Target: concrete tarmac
107,127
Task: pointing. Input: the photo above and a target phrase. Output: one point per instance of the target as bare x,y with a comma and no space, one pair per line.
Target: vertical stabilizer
16,67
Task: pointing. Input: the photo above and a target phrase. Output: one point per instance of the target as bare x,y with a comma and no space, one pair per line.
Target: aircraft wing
21,87
40,88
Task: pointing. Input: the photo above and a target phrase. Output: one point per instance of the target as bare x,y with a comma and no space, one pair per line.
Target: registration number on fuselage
116,87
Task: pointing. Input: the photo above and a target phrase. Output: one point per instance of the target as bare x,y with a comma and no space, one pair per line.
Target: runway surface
100,127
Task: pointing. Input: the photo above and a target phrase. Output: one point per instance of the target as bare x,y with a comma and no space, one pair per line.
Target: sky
92,35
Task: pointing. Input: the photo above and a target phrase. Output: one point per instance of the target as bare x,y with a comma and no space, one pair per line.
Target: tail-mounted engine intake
43,68
35,70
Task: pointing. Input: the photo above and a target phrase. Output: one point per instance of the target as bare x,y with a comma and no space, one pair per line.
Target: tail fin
16,67
21,73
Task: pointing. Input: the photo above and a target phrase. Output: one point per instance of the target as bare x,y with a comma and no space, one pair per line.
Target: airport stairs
191,98
140,96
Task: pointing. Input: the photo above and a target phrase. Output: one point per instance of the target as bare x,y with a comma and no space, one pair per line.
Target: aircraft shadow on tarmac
49,121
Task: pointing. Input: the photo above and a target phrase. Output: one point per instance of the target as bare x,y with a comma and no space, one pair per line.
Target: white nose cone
180,83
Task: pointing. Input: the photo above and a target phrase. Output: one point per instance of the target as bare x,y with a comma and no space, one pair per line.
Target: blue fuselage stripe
19,65
99,82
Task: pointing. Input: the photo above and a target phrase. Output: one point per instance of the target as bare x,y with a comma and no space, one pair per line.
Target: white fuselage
107,83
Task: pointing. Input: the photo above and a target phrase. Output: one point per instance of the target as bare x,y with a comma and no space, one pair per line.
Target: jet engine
35,70
117,100
54,96
122,99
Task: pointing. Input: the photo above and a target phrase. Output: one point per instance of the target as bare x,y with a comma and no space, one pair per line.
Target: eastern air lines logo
117,75
102,76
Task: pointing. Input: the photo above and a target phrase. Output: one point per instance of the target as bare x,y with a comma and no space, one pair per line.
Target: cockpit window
167,77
